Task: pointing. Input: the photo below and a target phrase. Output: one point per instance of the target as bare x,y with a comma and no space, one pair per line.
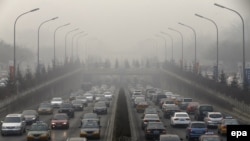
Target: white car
56,102
180,118
89,97
149,118
108,95
13,124
213,118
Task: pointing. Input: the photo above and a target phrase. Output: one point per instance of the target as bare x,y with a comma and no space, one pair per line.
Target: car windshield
100,104
90,116
76,102
206,108
29,112
211,139
151,116
66,105
38,127
215,116
155,125
12,119
60,117
181,115
90,125
151,110
231,122
187,100
57,99
198,125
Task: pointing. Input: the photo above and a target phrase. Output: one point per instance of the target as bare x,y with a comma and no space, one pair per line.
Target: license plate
182,120
156,132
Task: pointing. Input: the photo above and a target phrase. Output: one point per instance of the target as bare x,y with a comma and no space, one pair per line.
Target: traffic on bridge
127,70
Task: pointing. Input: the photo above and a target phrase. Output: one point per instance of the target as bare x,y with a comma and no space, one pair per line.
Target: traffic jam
166,116
81,112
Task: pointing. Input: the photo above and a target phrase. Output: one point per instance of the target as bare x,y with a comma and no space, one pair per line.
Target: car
213,119
141,106
56,102
13,124
108,95
89,97
191,107
60,120
90,129
201,110
150,110
184,103
170,137
83,99
104,99
39,131
76,139
159,97
45,108
78,105
150,92
73,96
170,109
30,116
222,127
209,136
195,129
68,108
100,108
180,118
90,116
138,100
98,96
153,130
149,118
165,102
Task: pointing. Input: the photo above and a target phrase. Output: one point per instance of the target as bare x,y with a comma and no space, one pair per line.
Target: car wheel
2,134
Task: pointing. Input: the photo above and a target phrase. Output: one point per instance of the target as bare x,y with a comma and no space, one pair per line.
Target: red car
60,120
191,107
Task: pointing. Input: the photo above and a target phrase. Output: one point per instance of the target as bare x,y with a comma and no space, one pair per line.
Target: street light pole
181,45
243,31
72,44
171,44
54,62
38,43
77,43
165,45
14,60
66,35
195,58
217,44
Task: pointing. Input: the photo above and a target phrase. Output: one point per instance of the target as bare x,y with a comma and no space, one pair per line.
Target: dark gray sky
121,28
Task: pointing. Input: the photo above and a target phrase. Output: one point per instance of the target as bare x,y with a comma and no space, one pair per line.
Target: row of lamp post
217,43
38,42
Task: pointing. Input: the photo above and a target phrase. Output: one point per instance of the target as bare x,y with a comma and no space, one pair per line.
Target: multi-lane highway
74,130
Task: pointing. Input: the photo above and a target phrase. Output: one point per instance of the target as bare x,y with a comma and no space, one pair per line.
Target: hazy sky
120,28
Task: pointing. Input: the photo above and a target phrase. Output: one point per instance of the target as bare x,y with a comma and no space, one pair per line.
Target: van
13,124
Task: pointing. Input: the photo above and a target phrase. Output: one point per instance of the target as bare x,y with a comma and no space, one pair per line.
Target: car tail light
176,119
148,131
189,130
163,131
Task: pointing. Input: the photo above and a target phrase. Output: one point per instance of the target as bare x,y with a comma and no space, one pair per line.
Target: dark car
201,110
30,116
100,108
170,110
68,108
90,116
78,105
159,97
60,120
153,130
195,129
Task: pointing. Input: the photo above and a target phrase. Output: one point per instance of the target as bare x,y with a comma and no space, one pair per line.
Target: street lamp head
198,15
180,23
216,4
54,18
33,10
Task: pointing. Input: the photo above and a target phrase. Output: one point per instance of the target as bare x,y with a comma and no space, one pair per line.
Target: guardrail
240,109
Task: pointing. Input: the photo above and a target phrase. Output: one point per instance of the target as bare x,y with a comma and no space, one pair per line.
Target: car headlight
83,132
33,118
53,123
65,123
44,135
96,132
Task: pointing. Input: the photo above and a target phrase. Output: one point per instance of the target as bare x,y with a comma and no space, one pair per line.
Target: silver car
13,124
56,102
